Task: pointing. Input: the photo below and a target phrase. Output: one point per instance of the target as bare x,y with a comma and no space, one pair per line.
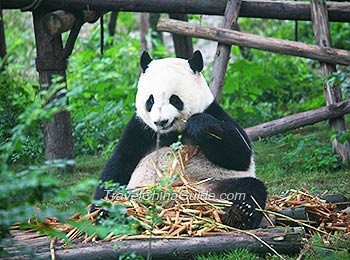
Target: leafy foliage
309,153
261,89
102,92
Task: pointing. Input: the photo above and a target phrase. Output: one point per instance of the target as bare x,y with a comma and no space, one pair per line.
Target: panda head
170,90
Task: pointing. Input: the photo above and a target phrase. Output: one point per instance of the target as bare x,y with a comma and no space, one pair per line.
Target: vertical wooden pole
50,62
2,37
319,17
182,44
144,29
223,51
112,24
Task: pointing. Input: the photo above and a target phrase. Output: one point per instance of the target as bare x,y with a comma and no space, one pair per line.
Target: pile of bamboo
170,209
325,218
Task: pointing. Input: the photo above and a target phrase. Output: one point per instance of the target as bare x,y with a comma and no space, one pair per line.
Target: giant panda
174,99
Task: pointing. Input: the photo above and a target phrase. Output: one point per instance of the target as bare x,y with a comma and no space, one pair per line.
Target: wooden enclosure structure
52,18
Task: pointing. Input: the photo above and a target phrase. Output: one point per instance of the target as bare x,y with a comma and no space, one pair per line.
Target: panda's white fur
174,99
163,78
197,169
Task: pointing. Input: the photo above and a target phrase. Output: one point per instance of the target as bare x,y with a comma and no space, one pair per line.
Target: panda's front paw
242,215
201,127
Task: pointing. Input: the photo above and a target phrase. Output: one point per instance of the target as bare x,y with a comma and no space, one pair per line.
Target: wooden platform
27,245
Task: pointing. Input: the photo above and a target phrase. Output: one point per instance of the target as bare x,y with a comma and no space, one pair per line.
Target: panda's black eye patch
176,102
149,103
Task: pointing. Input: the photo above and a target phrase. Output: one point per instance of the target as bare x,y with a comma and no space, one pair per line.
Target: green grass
274,156
239,254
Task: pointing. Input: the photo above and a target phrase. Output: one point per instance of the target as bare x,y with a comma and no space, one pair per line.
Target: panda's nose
161,123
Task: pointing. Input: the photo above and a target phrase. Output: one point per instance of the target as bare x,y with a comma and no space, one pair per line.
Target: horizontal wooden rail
231,37
285,10
283,240
298,120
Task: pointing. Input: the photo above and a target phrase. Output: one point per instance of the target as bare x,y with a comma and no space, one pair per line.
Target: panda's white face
169,92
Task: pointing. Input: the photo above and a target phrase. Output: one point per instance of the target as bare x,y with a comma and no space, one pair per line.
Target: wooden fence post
222,55
112,23
182,44
144,29
333,94
50,62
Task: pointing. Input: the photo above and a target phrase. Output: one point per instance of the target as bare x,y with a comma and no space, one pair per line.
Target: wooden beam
333,94
60,21
225,36
182,44
298,120
284,10
50,62
222,55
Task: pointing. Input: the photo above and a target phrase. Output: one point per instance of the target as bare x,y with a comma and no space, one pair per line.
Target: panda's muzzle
164,124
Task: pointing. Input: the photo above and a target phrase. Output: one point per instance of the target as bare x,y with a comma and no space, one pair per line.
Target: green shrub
309,154
102,92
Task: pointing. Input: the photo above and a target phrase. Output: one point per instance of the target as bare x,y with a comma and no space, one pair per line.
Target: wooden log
112,23
60,21
333,94
144,29
223,51
182,44
225,36
2,38
284,10
50,62
283,240
298,120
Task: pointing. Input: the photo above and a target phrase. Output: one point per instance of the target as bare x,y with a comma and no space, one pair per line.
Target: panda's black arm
220,138
135,142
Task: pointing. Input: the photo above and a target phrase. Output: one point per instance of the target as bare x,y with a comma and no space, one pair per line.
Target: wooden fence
53,17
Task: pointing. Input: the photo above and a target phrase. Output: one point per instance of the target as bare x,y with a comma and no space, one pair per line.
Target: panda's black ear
145,60
196,62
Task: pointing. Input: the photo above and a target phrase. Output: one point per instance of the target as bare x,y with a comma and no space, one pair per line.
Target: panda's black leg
242,214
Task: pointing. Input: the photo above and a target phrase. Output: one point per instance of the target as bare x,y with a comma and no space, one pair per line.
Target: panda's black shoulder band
196,61
145,60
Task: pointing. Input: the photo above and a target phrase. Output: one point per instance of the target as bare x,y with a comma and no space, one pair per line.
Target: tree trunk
225,36
50,62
